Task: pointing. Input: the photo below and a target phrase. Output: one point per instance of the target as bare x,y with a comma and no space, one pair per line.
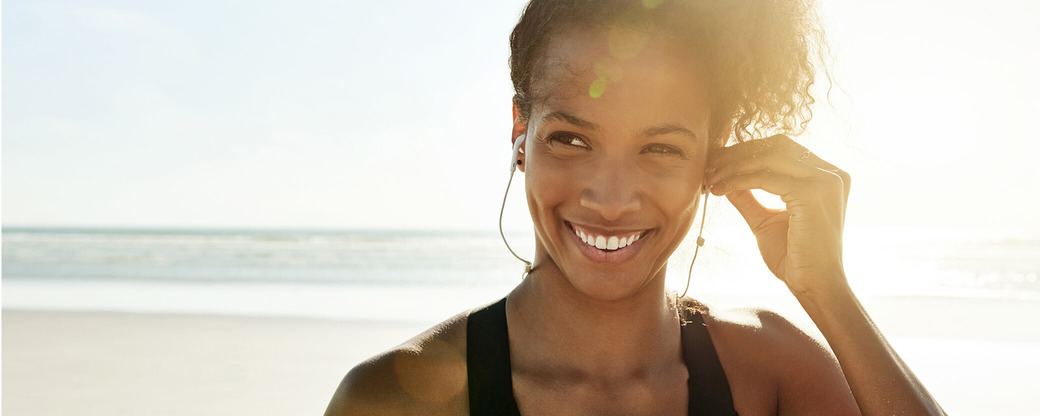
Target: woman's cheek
674,178
677,190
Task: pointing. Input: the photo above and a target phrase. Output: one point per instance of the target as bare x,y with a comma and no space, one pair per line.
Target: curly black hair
761,54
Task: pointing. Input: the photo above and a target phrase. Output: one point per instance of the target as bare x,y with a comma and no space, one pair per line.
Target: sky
332,114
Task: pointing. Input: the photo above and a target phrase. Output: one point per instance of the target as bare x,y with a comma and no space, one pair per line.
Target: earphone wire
501,212
700,243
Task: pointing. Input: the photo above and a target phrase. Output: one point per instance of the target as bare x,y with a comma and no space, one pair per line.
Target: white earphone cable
501,212
700,243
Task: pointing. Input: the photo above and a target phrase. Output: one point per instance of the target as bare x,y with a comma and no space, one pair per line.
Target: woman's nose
611,191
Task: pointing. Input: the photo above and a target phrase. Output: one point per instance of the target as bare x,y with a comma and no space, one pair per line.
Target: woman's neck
556,331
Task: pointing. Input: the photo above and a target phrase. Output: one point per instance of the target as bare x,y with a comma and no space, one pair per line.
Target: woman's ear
519,129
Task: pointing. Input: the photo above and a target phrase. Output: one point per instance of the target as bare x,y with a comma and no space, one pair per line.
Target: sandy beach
89,363
96,363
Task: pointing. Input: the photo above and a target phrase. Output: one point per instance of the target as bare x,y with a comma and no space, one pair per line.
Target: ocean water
374,275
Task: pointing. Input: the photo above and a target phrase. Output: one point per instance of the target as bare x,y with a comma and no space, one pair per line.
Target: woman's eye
662,149
570,140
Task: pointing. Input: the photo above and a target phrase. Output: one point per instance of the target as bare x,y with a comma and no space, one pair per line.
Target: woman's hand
802,243
802,246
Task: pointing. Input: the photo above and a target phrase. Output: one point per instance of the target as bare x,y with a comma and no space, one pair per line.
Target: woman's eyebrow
670,129
569,118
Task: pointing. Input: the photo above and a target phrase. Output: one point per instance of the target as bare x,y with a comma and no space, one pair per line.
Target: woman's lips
607,246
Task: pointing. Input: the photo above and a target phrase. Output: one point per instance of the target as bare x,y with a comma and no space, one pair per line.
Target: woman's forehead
604,66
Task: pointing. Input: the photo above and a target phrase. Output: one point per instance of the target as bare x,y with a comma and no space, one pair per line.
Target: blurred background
213,176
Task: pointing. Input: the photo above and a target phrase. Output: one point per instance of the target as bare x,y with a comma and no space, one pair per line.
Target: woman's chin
600,285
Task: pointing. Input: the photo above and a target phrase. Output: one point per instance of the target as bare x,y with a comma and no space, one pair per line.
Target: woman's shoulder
426,374
749,339
763,337
770,360
745,324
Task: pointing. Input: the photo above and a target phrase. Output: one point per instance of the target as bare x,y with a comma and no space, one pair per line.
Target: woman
622,110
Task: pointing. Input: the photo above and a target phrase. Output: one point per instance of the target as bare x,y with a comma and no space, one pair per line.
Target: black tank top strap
708,386
487,363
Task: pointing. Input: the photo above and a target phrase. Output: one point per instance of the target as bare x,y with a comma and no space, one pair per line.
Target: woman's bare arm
881,382
802,246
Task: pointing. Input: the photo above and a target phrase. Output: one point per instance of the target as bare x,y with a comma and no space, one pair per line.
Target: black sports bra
490,374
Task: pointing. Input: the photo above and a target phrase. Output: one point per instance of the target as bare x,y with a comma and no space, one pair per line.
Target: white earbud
516,152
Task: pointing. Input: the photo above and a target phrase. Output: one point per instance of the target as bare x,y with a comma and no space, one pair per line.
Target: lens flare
598,88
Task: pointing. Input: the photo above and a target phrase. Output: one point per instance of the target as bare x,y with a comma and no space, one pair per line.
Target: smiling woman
606,174
622,114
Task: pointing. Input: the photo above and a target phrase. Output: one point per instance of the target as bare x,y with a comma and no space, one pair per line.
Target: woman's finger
749,207
812,159
778,144
773,162
767,154
724,155
772,182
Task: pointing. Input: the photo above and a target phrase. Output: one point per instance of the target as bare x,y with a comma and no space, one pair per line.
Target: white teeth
606,243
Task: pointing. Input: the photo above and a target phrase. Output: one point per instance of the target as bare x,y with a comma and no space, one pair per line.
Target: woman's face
614,159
